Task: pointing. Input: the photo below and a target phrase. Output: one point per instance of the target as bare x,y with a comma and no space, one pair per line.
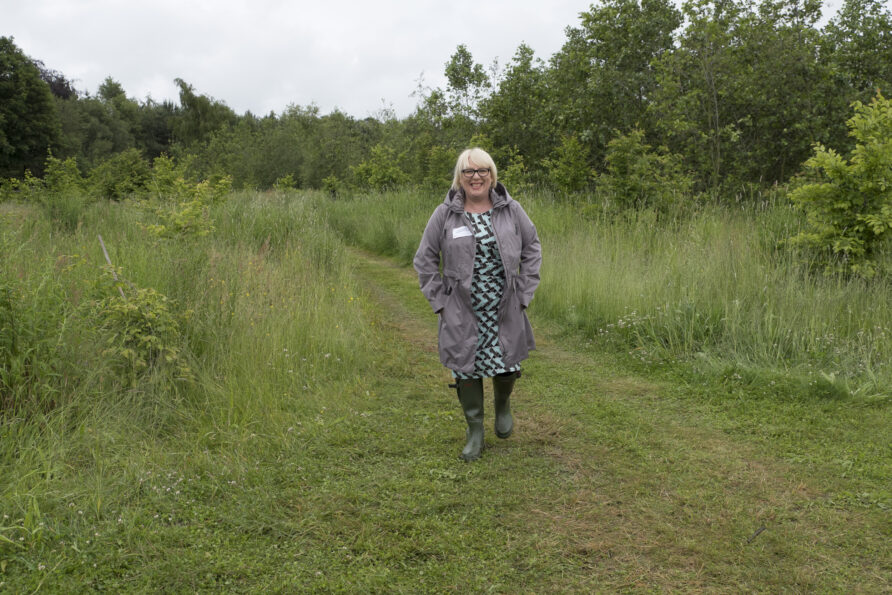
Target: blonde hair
481,158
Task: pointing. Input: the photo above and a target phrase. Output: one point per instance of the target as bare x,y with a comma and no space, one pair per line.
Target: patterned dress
487,286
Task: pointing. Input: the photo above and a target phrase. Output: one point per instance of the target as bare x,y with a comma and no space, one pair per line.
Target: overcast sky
263,55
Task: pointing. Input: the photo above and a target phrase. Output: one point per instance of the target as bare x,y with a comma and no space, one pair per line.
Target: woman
490,256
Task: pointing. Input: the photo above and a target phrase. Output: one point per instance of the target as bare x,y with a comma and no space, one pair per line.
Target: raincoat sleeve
427,260
530,259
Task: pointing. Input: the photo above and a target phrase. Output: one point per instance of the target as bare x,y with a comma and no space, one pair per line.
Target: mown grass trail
618,481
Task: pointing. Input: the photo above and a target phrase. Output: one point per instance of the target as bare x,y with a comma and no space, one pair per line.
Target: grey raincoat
447,240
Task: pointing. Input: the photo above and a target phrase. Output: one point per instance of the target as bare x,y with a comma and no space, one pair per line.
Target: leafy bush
381,170
63,177
332,185
848,203
639,177
514,174
286,182
188,215
28,189
168,177
64,197
439,164
142,329
121,176
567,167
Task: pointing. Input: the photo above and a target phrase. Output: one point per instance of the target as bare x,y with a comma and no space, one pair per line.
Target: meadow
258,406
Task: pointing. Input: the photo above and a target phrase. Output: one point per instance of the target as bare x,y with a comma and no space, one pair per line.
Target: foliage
467,82
568,167
63,176
285,182
65,196
332,185
515,116
639,177
25,357
29,188
848,202
381,170
29,125
741,90
439,166
143,331
858,44
122,175
188,215
168,178
200,116
603,78
514,174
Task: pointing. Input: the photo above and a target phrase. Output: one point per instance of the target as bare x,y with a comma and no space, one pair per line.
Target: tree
199,116
848,203
568,167
29,125
603,78
858,43
744,95
59,85
638,176
467,82
514,115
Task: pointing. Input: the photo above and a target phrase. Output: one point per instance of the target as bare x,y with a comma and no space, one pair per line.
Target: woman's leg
502,385
470,395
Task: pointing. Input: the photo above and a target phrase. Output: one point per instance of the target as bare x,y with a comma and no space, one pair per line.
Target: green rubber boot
502,385
470,395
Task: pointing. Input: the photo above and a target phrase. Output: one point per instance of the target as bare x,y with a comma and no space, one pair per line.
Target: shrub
381,170
332,186
639,177
168,179
439,164
28,189
286,182
848,203
121,176
142,331
567,167
514,174
188,215
64,197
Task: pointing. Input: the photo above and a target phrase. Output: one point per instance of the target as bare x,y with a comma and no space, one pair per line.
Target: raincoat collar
455,199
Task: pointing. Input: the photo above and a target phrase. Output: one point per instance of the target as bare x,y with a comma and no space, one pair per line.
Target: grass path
616,481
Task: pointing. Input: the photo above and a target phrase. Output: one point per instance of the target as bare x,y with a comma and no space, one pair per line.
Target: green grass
316,449
710,287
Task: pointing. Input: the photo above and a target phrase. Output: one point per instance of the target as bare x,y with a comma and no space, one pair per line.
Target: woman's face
476,187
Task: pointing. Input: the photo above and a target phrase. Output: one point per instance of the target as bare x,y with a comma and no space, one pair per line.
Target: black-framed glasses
469,173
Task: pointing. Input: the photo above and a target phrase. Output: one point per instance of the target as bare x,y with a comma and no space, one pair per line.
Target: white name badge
461,232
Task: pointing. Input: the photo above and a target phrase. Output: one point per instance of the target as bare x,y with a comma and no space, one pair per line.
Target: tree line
714,95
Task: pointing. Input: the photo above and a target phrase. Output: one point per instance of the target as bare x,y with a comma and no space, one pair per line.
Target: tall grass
710,284
272,324
270,466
